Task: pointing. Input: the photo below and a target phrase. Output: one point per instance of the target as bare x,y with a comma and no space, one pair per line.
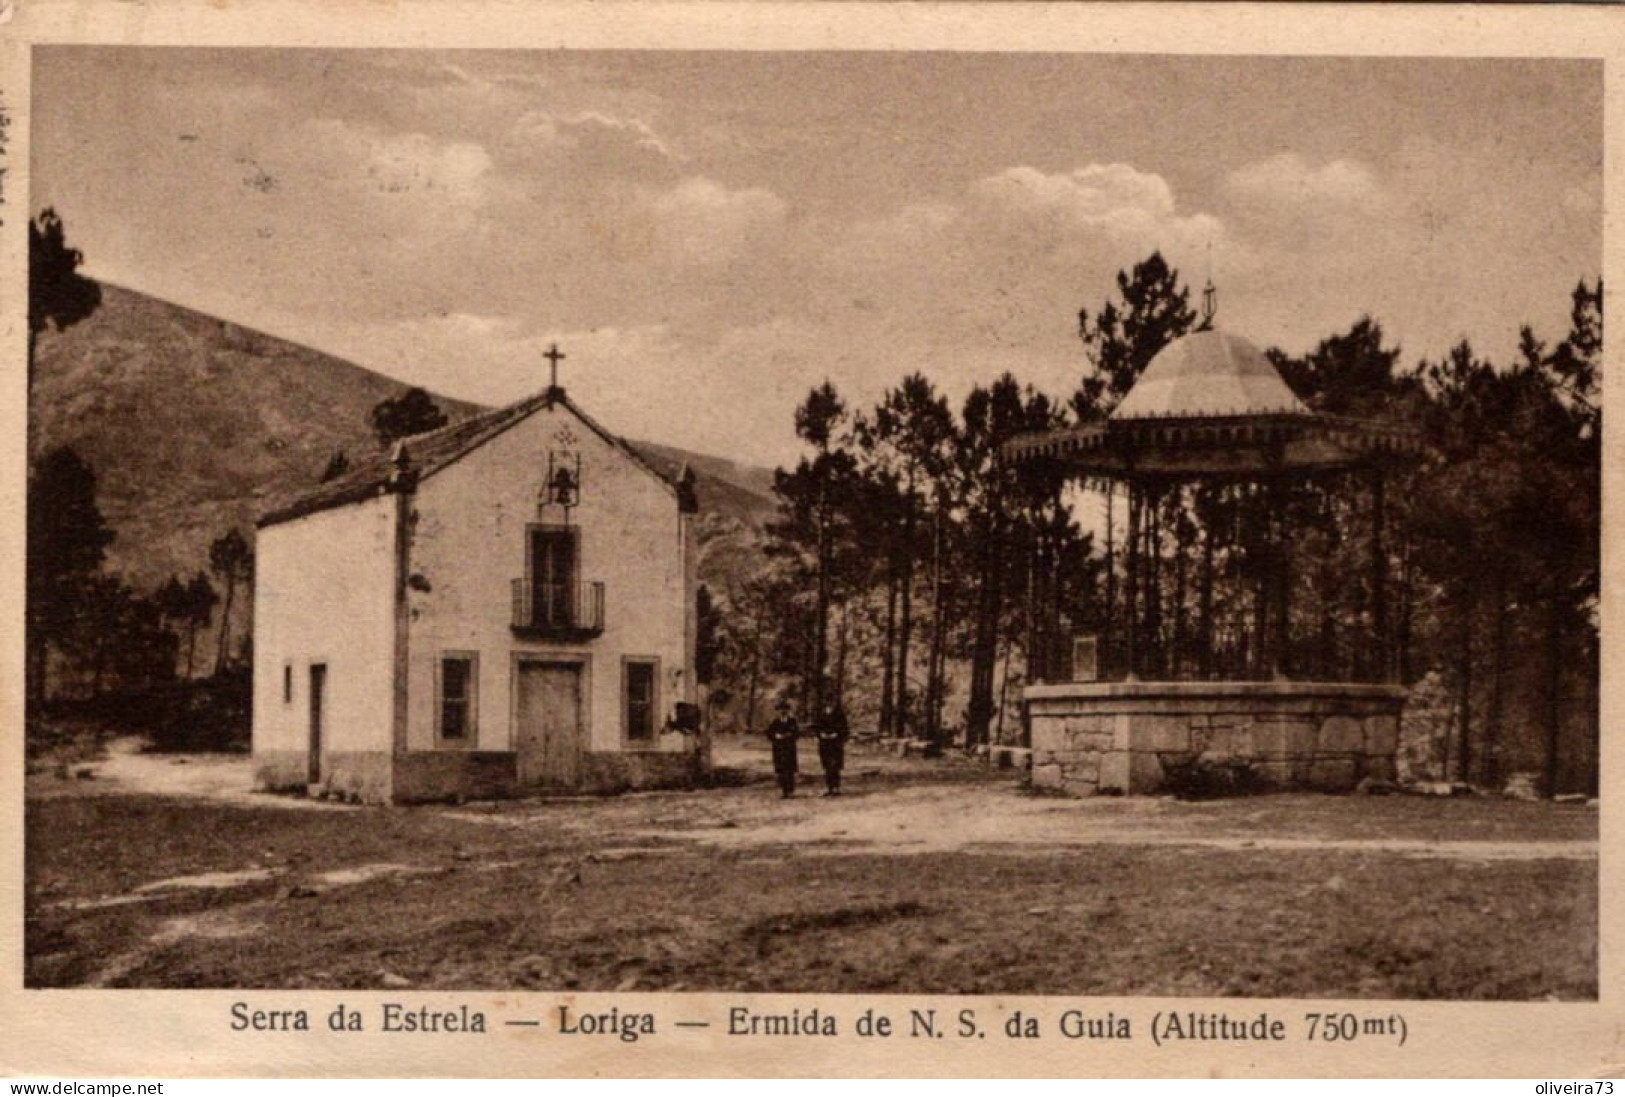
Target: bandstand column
1379,576
1281,579
1131,629
1259,547
1205,653
1110,638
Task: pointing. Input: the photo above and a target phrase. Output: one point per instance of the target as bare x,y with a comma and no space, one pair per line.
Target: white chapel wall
324,592
469,545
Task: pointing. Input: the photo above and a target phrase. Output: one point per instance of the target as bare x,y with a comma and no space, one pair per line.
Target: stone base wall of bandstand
1155,737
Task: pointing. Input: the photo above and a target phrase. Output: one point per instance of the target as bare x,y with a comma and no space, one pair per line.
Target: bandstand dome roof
1205,374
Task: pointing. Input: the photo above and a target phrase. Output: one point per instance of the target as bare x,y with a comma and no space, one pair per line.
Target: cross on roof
554,356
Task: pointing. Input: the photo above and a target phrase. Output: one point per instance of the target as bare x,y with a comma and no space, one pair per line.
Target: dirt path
994,816
226,778
894,806
990,818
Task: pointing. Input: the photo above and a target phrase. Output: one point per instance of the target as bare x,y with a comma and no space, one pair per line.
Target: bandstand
1211,442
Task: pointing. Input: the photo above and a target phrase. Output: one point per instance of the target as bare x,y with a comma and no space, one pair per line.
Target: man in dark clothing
832,731
782,733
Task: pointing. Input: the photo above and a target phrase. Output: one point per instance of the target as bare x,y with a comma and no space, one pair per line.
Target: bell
564,488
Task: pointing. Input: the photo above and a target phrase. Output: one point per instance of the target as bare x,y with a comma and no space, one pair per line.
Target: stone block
1202,740
1084,725
1153,733
1145,772
1047,735
1122,730
1342,735
1047,776
1114,771
1381,735
1096,743
1086,768
1226,743
1282,738
1089,740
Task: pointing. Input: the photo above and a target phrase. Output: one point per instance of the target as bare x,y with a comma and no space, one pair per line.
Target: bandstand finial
1210,296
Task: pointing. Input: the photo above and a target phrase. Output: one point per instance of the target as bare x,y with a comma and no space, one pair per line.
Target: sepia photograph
813,522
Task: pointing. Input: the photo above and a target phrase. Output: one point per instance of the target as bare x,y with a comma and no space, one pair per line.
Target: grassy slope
192,424
195,425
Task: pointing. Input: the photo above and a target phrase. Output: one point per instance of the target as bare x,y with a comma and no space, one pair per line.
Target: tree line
89,629
106,634
919,581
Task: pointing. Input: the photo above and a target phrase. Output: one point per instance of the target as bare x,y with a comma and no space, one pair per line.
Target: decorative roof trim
386,477
1174,432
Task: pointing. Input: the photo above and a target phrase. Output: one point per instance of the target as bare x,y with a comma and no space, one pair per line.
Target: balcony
558,611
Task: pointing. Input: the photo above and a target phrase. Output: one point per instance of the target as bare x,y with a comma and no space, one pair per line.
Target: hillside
194,425
740,491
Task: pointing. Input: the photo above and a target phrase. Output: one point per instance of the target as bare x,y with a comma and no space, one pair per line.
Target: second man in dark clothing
782,734
832,732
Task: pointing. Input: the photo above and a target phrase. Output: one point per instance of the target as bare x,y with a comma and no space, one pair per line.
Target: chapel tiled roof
428,453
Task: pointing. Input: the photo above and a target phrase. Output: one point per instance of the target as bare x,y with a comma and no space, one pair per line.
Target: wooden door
548,724
318,697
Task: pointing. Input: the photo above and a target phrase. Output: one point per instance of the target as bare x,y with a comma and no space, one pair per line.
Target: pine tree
67,542
58,295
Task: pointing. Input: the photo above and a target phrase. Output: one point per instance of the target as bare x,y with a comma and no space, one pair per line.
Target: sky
708,235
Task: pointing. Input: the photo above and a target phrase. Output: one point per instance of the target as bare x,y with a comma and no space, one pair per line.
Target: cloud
1014,251
596,129
496,358
701,221
590,142
454,171
1088,195
1096,211
643,381
1289,180
342,156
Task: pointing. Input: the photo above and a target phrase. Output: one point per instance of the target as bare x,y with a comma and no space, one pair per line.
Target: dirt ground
942,876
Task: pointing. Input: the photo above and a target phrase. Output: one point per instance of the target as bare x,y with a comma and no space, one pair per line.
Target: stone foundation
1146,737
376,777
625,771
281,770
360,775
451,774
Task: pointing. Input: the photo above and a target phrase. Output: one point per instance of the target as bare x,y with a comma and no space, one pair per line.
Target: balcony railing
558,611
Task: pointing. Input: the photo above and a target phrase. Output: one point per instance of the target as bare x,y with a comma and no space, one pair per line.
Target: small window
287,683
458,680
640,700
